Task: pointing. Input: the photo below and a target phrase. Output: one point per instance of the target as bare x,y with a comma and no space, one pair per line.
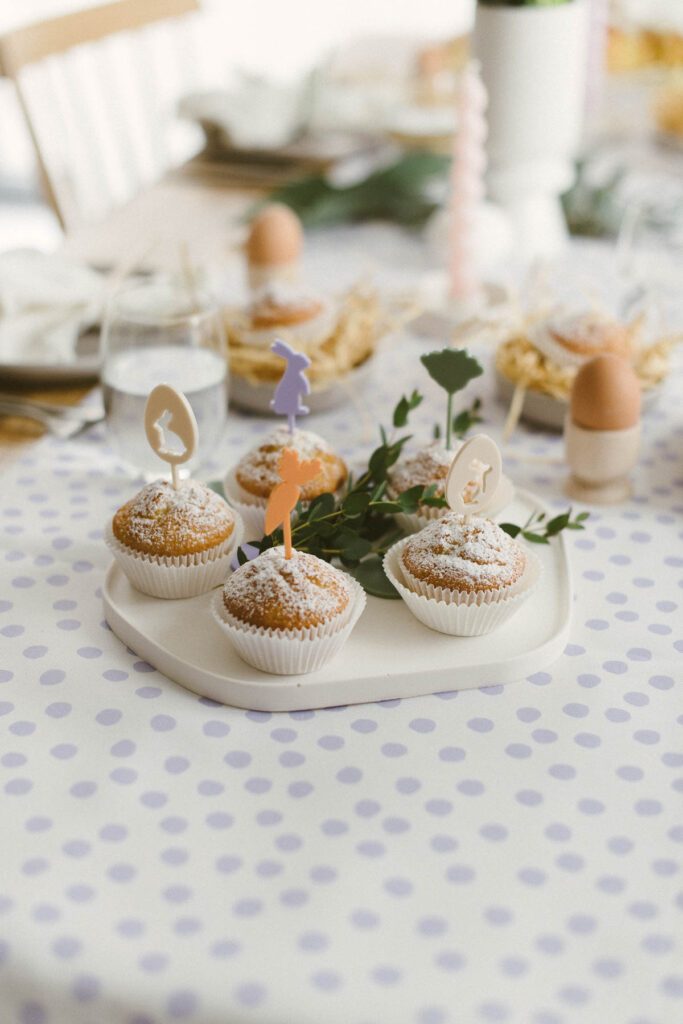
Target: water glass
162,332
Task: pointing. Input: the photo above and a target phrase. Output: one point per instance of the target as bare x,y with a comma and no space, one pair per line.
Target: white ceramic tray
390,654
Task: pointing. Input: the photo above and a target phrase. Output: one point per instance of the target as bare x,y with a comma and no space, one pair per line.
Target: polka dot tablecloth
507,854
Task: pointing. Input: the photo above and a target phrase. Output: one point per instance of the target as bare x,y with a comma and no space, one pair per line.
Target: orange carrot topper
284,497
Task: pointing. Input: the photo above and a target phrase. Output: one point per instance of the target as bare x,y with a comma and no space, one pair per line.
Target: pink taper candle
467,183
598,26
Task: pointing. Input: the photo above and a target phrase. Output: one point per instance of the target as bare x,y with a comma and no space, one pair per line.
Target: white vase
533,62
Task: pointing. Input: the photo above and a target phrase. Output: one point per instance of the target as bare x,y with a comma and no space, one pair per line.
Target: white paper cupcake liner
250,508
413,522
460,614
290,652
182,576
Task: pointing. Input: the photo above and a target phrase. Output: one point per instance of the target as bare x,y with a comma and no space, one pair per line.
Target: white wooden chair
98,90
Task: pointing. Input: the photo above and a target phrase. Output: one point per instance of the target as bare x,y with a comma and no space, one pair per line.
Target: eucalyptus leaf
404,407
321,506
217,486
373,579
401,192
356,503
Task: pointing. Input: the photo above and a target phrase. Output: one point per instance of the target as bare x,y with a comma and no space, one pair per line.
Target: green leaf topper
452,369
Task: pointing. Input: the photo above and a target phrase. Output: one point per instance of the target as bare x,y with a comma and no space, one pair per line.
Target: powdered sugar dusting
301,589
160,515
587,332
474,555
261,465
428,465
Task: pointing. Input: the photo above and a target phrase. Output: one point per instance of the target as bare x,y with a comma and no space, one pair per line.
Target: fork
61,421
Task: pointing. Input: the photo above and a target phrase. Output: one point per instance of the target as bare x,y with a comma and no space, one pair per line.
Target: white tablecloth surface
504,854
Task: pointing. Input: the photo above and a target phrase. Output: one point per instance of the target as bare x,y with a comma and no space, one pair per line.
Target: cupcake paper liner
460,614
413,522
250,508
182,576
290,652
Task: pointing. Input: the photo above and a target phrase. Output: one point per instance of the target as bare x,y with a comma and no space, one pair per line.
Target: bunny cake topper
168,411
294,473
286,400
477,461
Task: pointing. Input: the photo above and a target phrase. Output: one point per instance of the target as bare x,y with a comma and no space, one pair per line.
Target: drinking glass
650,260
162,332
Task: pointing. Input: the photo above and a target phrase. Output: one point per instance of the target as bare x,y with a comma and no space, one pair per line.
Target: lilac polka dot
215,729
461,874
493,832
349,775
439,807
84,789
250,994
52,677
570,862
89,652
529,797
394,749
581,924
450,960
558,832
228,863
422,725
498,915
386,975
294,897
551,944
109,716
163,723
331,742
452,754
182,1005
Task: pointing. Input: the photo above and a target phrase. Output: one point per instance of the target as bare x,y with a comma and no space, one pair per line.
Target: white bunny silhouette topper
168,409
478,461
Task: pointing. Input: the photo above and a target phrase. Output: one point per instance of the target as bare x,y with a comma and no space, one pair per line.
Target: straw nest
364,320
520,362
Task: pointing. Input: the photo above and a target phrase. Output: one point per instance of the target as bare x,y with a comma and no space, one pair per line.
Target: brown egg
275,237
605,395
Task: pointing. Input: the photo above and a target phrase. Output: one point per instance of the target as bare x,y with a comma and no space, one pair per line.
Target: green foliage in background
402,192
523,3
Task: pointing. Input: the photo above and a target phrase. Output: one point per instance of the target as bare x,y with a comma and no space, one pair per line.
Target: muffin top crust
162,521
258,472
467,554
274,592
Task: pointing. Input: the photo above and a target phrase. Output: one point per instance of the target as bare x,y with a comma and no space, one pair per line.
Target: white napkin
46,302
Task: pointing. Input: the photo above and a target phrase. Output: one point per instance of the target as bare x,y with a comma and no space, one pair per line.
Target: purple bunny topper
286,400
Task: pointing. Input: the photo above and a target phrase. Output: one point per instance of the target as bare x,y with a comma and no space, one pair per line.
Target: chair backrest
98,90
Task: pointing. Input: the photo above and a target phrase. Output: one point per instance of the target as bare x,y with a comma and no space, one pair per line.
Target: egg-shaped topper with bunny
478,462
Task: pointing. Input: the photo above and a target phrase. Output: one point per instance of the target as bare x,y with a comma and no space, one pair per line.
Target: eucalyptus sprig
358,528
539,530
